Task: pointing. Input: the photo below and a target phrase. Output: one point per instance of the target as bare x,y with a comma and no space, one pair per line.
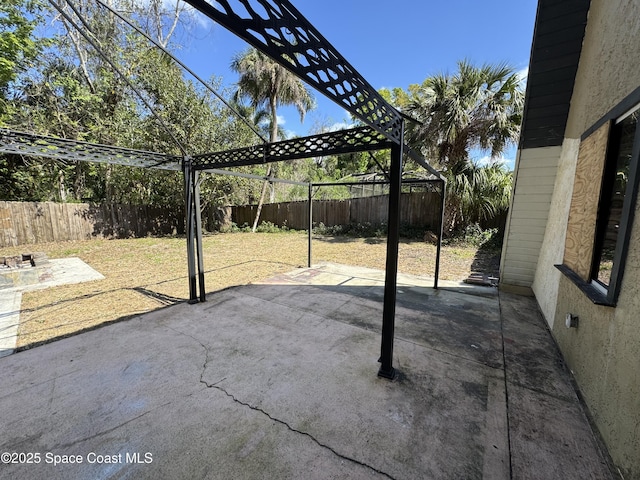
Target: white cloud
523,74
340,126
488,160
279,118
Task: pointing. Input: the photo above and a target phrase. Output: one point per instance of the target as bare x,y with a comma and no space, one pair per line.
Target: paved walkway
279,381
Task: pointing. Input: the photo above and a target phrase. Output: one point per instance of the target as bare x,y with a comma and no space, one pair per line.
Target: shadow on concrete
487,261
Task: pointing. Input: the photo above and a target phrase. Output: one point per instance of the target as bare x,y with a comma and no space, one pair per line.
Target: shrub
242,228
475,236
264,227
367,230
269,227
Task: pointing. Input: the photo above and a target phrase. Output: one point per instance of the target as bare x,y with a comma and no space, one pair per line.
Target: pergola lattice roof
279,30
333,143
359,139
21,143
344,141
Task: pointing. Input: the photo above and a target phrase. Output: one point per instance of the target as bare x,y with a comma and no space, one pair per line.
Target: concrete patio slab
10,300
279,380
59,271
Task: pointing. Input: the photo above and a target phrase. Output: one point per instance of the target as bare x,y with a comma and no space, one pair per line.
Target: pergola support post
443,193
189,189
310,206
198,234
391,271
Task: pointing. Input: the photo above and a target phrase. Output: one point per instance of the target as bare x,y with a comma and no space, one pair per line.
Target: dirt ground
147,273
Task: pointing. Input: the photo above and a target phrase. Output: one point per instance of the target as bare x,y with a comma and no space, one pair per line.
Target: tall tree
475,108
73,92
266,83
18,19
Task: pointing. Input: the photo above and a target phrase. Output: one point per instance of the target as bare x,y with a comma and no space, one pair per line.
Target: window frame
612,291
594,290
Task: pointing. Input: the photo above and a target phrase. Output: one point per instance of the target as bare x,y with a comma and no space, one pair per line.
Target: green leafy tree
18,19
72,92
266,83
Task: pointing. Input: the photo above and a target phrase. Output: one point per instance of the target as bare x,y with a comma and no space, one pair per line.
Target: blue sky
391,43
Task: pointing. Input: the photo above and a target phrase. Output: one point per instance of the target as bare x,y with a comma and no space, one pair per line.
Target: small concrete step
24,269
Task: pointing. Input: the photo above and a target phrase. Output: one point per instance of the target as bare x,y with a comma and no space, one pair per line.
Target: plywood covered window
602,207
578,250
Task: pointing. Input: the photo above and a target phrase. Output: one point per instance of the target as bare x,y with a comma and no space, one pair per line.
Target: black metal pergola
279,30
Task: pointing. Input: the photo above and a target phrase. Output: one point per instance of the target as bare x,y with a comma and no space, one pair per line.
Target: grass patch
147,273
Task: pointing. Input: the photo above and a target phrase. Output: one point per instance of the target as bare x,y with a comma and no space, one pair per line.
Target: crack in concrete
112,429
268,415
51,393
103,432
294,430
36,385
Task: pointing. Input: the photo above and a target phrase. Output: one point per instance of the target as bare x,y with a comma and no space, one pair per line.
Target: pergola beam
279,30
28,144
359,139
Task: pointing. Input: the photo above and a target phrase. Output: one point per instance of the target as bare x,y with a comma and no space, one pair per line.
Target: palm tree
258,118
477,193
475,108
266,83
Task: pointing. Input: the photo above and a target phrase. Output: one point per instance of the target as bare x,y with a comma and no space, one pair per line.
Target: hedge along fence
420,210
39,222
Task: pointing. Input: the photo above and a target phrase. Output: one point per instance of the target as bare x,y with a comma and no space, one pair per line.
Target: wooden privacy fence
40,222
416,209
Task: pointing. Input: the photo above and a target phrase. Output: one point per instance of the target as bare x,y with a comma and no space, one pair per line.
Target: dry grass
144,274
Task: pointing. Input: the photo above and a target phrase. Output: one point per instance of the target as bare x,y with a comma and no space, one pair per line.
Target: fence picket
31,222
417,209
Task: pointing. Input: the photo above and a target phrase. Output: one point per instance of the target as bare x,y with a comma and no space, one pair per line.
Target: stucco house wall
547,277
604,351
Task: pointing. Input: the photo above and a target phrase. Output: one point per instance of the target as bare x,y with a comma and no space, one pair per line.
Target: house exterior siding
603,352
533,188
547,277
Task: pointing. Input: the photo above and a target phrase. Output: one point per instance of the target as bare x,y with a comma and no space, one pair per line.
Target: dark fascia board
564,7
552,71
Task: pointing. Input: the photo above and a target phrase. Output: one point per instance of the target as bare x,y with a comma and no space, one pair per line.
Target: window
617,203
603,203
